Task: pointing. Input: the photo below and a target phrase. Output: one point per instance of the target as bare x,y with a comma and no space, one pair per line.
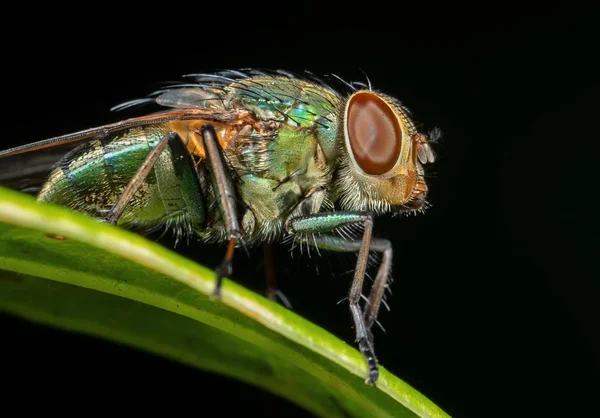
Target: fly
246,158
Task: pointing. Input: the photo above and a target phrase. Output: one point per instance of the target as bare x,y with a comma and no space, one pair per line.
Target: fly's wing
211,97
156,118
26,167
27,172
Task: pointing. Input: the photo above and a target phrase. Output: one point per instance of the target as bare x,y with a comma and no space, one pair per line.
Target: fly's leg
270,280
335,243
379,285
139,177
221,181
134,184
320,226
273,293
225,194
339,244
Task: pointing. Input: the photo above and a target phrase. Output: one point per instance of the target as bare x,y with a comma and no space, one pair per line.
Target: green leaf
113,284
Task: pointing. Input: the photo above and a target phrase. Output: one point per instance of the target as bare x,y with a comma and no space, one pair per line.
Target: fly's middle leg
273,293
320,227
225,194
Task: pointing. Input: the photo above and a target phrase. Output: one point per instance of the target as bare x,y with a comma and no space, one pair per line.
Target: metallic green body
277,160
275,169
291,171
280,172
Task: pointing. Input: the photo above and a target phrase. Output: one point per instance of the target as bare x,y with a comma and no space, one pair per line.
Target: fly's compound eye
374,133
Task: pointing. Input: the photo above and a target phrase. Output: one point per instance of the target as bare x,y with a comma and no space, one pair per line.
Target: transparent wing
27,166
179,114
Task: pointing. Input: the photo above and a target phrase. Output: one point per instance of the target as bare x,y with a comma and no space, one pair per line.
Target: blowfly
245,158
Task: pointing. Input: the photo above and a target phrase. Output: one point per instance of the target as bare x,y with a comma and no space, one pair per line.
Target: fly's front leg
225,193
320,226
379,285
381,280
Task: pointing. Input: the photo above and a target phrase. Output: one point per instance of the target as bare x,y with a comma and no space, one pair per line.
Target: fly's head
383,155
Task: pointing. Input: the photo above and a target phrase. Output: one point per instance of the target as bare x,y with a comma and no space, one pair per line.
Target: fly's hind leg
222,184
138,179
225,194
320,227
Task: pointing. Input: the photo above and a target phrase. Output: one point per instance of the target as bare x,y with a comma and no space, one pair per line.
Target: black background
495,303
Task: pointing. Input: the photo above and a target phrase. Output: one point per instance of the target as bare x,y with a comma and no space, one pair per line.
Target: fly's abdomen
92,177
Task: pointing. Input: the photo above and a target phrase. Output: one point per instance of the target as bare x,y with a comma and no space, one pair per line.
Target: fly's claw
226,267
223,270
368,353
277,296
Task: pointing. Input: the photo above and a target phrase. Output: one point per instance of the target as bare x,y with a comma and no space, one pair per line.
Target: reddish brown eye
374,132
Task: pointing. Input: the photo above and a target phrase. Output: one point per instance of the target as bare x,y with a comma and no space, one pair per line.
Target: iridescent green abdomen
92,177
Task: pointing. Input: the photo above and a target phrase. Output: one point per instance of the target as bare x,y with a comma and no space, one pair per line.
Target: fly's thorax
277,172
379,166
